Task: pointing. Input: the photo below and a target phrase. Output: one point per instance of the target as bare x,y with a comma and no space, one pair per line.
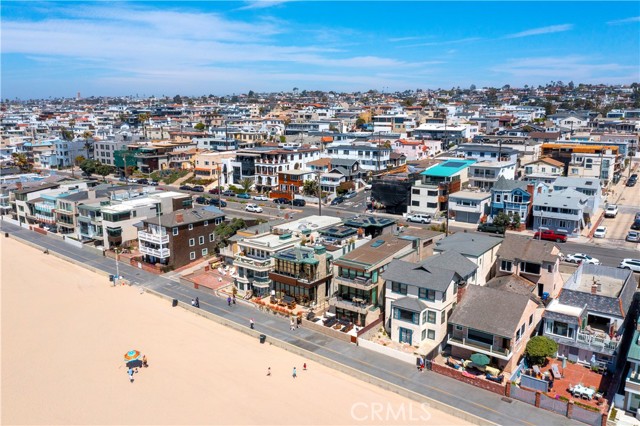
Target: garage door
467,217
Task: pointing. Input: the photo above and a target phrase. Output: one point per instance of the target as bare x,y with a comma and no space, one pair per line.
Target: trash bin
174,303
263,338
6,235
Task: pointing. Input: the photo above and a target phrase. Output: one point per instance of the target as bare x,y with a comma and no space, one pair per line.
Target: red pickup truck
550,236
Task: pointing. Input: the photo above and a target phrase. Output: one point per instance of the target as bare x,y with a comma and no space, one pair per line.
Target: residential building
469,206
478,248
510,197
493,322
430,194
371,226
210,165
534,260
562,211
591,314
180,237
563,152
303,273
632,381
271,160
485,174
544,168
483,152
591,187
419,297
104,149
600,166
370,156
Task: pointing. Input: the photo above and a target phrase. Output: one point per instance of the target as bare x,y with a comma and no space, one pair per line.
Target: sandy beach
65,331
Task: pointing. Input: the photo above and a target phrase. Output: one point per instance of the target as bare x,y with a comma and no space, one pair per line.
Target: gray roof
345,171
344,162
516,247
76,196
411,303
468,243
512,283
492,311
566,198
486,148
577,182
452,261
556,316
503,184
189,216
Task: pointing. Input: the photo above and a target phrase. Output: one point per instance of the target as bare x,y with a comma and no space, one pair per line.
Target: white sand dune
65,331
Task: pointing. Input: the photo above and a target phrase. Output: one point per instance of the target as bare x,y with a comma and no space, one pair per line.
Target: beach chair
556,371
536,370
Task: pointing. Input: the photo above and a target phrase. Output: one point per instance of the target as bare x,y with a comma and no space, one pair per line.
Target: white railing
255,263
154,238
162,253
602,341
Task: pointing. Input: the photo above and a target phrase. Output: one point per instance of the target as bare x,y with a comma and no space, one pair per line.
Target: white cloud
624,21
544,30
446,42
262,4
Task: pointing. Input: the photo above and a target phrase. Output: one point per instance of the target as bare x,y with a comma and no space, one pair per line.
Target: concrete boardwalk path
449,391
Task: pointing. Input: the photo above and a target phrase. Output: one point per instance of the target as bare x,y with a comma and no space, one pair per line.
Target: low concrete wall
336,365
73,242
457,374
326,330
393,353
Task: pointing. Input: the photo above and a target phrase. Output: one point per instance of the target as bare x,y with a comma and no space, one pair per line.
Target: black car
281,200
632,182
299,202
228,193
143,181
186,188
216,202
201,200
198,188
636,225
490,227
337,200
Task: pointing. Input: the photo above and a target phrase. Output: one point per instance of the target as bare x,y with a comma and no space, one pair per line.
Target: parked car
144,181
581,258
637,216
337,200
550,235
261,198
202,200
253,208
244,196
490,227
186,188
214,191
153,182
633,236
281,200
633,264
611,211
349,195
636,225
601,232
299,202
216,202
228,193
632,180
130,180
420,218
198,188
367,187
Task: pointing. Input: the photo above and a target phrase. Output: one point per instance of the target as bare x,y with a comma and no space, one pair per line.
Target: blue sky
195,48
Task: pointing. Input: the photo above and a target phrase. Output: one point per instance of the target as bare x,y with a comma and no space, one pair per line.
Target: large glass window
480,336
431,317
404,315
405,336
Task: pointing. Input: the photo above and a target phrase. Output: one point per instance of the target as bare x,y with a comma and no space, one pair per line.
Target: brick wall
457,374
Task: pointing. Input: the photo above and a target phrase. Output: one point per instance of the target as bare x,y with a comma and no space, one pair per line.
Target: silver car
633,236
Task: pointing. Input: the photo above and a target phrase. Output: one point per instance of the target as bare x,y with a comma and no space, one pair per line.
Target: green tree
501,219
199,127
143,118
88,167
246,184
360,122
88,142
22,162
226,230
539,348
103,170
67,134
310,187
76,162
515,221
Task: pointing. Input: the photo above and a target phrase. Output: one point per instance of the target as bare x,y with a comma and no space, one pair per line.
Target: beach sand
65,331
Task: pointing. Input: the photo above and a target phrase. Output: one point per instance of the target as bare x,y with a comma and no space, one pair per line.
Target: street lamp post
117,277
318,173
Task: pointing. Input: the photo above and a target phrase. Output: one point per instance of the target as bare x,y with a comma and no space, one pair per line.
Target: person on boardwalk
229,300
251,324
193,302
295,373
197,302
269,371
234,299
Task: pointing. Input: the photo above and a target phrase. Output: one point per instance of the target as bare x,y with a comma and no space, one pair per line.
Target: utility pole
218,170
319,195
115,280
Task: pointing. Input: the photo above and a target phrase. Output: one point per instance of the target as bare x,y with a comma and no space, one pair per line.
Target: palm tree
88,142
246,184
76,162
143,118
21,160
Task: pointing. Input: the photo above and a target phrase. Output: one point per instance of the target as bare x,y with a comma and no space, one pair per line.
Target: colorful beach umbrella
132,355
480,359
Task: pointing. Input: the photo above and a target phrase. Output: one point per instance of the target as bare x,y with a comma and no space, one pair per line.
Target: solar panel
378,243
453,164
372,220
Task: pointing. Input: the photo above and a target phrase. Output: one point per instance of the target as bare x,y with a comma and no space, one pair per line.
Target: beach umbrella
480,359
132,355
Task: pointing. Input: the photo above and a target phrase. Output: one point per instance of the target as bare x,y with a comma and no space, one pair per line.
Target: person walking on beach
251,324
304,367
144,361
295,374
229,300
269,371
130,375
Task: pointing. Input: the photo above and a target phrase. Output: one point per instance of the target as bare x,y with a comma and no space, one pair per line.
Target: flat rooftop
448,168
312,223
607,286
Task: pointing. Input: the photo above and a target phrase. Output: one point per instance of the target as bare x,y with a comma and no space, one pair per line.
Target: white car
633,264
349,195
261,198
253,208
367,187
611,211
601,232
421,218
581,258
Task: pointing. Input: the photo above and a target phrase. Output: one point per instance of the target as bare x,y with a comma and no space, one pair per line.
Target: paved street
465,397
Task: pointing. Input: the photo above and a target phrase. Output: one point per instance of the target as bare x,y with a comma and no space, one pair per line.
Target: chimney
530,189
18,186
461,291
179,218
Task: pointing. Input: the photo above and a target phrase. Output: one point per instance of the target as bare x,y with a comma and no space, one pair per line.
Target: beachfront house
561,211
510,197
430,194
419,297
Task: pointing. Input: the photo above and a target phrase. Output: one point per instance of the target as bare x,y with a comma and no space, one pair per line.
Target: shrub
539,348
614,413
587,407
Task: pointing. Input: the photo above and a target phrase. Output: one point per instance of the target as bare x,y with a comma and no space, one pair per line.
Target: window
201,240
427,294
405,336
498,198
530,268
530,319
191,227
205,251
415,203
431,334
206,223
444,296
415,191
550,267
192,242
398,288
480,336
192,255
517,198
443,317
424,317
211,237
506,265
520,333
424,334
401,314
431,317
458,328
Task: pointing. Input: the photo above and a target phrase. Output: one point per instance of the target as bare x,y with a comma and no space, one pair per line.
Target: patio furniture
536,369
556,371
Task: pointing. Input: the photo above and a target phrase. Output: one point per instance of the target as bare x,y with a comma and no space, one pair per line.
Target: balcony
600,341
153,238
359,283
44,207
633,380
473,345
253,264
159,253
354,305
